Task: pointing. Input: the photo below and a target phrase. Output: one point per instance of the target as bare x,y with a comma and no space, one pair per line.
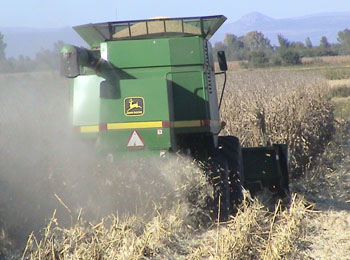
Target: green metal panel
189,95
156,52
116,141
158,72
142,53
184,51
154,92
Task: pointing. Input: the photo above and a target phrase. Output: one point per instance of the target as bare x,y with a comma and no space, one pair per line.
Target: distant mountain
252,19
296,29
29,41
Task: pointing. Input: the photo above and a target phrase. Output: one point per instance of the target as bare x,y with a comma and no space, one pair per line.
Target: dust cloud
34,141
44,167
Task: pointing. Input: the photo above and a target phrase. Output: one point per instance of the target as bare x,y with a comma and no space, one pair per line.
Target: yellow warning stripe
143,125
118,126
189,123
193,123
89,129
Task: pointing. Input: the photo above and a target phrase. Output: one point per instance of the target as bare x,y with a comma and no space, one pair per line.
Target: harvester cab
147,87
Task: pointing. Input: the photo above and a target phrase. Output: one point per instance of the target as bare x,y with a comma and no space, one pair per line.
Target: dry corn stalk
262,107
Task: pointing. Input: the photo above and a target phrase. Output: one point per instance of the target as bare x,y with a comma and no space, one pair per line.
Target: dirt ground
328,228
329,232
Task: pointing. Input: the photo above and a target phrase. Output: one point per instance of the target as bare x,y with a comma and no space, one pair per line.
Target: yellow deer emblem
134,106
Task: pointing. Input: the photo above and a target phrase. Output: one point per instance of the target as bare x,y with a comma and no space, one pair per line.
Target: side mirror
70,67
222,60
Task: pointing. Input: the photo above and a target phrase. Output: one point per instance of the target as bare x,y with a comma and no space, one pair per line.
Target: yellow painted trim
151,124
89,129
140,125
189,123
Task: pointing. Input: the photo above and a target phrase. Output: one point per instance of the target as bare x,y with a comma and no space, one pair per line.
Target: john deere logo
134,106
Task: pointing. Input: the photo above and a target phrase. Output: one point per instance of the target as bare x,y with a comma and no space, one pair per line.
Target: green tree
233,47
49,59
283,42
232,41
300,48
344,41
258,59
240,48
324,43
290,57
3,46
256,41
7,65
325,48
219,46
24,64
289,53
308,43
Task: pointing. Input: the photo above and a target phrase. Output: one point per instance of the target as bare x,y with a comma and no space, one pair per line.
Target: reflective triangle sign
135,140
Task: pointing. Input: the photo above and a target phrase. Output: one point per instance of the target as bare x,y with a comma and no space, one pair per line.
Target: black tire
220,178
227,176
232,150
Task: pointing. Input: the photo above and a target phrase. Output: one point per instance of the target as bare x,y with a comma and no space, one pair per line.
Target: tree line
254,47
43,60
259,51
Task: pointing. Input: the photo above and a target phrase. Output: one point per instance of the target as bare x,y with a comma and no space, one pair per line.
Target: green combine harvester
147,88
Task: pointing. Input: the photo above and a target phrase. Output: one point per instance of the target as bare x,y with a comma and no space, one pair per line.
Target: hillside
295,28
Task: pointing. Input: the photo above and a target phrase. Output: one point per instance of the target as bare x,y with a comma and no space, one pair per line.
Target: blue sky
60,13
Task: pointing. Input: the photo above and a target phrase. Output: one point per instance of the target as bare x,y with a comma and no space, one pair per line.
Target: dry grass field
159,210
327,60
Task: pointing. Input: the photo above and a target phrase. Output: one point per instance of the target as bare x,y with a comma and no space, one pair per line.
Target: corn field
263,107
